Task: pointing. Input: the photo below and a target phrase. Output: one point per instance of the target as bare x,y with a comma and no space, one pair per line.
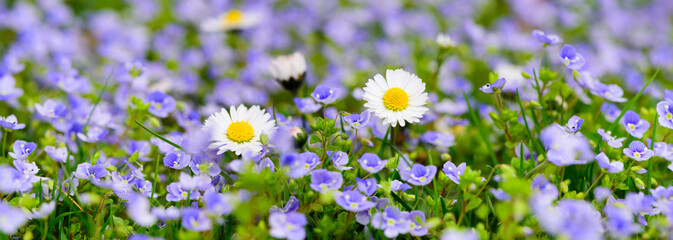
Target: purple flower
660,148
265,163
144,187
662,192
26,168
161,104
22,149
143,148
571,58
396,186
138,209
441,140
612,141
610,111
546,39
571,219
564,148
196,220
339,160
601,193
634,125
419,175
639,202
358,121
611,92
164,214
306,105
288,225
176,160
460,234
323,180
8,90
391,221
202,164
11,123
500,194
178,192
665,112
638,151
324,94
574,124
291,206
51,109
90,172
367,186
619,221
219,203
94,134
416,221
611,167
371,162
496,86
14,218
353,201
58,154
297,165
454,172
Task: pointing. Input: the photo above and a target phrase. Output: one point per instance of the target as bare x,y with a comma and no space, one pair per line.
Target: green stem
481,130
649,161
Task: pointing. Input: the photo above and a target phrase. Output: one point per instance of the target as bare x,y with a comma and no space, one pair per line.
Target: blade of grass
525,121
481,130
649,161
398,199
160,137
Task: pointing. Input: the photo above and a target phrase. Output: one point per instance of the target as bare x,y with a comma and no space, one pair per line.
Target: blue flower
367,186
353,201
416,221
11,123
161,104
296,165
339,160
288,225
358,121
634,125
460,234
610,111
397,186
500,194
612,141
14,217
571,58
196,220
619,221
638,151
639,202
546,39
90,172
391,221
138,209
442,141
574,124
611,92
496,86
8,89
324,94
306,105
202,164
176,160
571,219
564,148
323,180
611,167
219,203
22,149
58,154
665,112
453,172
94,134
292,205
177,192
371,162
419,175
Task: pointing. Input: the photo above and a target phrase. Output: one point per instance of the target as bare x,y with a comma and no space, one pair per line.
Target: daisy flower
398,98
239,129
231,20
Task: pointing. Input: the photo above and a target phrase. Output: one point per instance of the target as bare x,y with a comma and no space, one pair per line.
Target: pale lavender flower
496,86
339,160
611,167
371,162
94,134
161,104
58,154
545,38
90,172
11,123
138,209
358,120
8,89
454,172
177,160
288,225
396,186
22,149
665,112
353,201
574,124
178,192
571,58
202,164
416,221
196,220
13,217
638,151
392,221
452,234
367,186
419,175
296,165
500,194
619,221
306,105
634,125
611,140
323,180
51,109
324,94
219,203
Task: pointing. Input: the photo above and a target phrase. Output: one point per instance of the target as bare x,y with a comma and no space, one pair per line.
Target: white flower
239,130
282,68
445,41
399,98
230,20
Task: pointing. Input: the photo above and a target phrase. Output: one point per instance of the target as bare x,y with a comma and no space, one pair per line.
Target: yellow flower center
669,116
232,17
240,132
637,154
395,99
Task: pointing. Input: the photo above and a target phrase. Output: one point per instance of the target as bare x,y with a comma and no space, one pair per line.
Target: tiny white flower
445,41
